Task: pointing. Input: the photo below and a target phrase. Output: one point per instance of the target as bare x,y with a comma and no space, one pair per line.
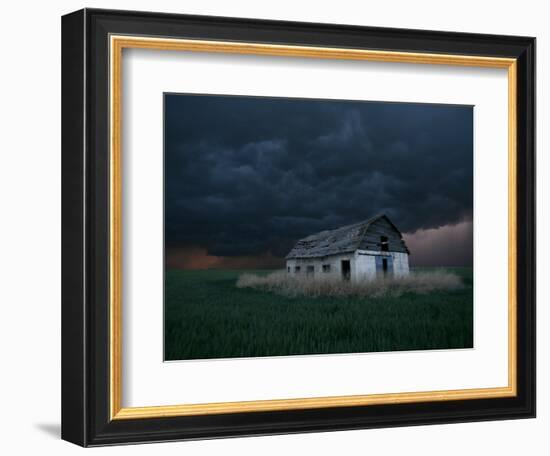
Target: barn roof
332,242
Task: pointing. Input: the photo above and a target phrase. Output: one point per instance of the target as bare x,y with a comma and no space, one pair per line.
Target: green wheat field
207,316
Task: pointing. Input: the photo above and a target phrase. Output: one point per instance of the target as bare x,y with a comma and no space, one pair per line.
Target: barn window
288,269
296,268
384,243
310,269
326,268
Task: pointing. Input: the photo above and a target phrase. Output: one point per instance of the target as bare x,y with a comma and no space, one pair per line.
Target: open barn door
346,269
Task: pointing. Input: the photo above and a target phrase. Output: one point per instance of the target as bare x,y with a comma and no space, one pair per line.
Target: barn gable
382,226
364,235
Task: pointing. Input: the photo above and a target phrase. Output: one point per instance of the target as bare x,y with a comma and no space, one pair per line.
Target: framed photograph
277,227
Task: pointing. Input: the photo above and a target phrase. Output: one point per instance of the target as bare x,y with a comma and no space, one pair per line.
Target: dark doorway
385,265
346,269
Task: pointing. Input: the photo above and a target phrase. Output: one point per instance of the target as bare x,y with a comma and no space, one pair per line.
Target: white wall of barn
365,264
335,262
400,264
362,263
364,267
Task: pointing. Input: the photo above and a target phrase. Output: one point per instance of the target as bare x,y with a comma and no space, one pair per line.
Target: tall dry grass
280,282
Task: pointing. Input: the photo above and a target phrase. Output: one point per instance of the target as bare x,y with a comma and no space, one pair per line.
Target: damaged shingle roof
331,242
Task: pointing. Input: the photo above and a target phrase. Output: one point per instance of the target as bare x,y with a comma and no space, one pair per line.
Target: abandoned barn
362,251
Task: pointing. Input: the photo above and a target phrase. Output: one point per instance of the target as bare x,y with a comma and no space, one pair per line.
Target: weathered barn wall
400,264
362,263
335,262
365,266
366,263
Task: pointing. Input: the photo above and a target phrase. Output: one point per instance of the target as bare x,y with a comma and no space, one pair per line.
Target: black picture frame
85,225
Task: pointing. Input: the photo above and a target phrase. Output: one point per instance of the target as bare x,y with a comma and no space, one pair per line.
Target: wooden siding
383,227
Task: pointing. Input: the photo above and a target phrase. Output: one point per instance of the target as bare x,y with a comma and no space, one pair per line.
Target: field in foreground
207,316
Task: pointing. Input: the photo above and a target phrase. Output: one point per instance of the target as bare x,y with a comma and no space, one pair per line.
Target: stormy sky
245,177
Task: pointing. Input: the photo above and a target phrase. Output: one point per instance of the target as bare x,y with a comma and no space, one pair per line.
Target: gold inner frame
117,44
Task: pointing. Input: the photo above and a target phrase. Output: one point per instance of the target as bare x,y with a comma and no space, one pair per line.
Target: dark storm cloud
249,176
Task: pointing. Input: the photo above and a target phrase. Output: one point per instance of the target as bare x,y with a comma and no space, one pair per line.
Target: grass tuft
283,284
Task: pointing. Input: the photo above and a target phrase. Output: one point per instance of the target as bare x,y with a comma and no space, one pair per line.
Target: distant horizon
192,259
246,177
